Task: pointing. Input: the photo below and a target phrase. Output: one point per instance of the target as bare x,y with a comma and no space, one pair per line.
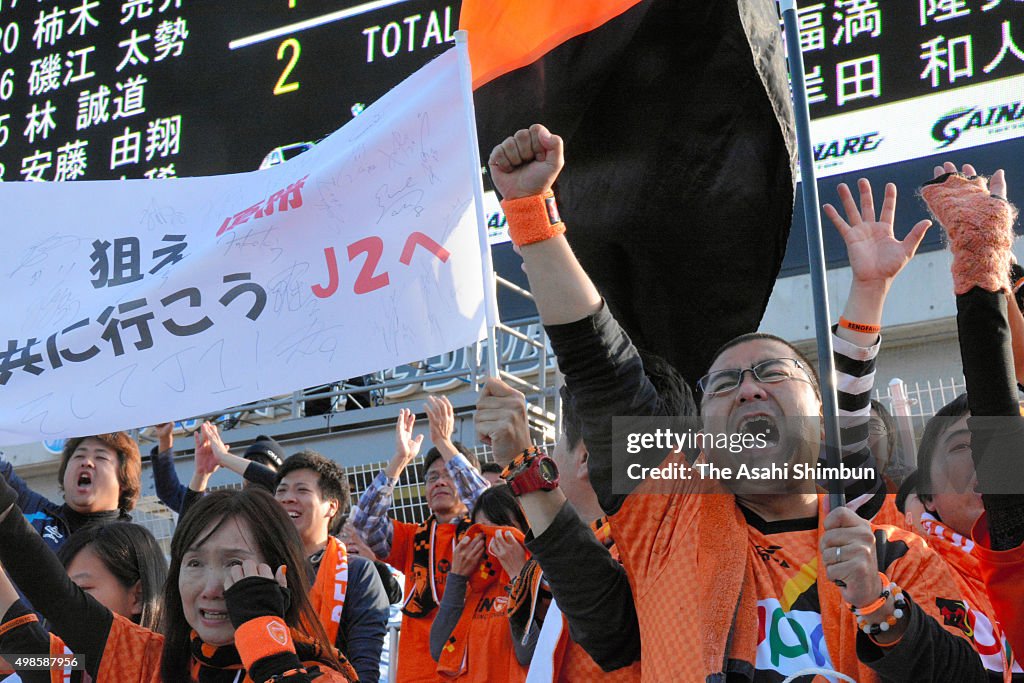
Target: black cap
265,450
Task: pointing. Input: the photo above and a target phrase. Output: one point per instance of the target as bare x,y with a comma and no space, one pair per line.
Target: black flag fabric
680,152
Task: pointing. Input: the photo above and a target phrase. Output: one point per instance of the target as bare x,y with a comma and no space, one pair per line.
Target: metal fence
912,405
155,516
409,503
919,402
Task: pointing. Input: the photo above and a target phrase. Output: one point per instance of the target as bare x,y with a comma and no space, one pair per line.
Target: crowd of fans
553,567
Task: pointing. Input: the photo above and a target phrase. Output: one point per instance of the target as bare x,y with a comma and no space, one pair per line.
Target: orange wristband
262,637
532,219
859,327
15,623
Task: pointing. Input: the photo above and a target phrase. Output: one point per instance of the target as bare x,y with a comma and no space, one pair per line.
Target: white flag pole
815,247
490,287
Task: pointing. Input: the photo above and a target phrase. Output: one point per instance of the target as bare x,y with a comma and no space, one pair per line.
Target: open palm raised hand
874,252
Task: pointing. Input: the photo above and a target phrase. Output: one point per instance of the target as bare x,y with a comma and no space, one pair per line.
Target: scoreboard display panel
104,89
898,86
899,79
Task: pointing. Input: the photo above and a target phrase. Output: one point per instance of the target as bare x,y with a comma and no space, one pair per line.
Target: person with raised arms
422,552
970,479
716,568
100,477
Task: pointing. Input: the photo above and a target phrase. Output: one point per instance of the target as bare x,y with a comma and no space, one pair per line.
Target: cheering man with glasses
762,584
423,552
771,370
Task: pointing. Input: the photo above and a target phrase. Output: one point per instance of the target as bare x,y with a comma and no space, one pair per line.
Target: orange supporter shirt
480,646
490,655
414,661
687,555
890,514
1003,574
974,615
578,667
132,653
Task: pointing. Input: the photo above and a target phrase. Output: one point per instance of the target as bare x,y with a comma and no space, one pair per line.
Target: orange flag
504,36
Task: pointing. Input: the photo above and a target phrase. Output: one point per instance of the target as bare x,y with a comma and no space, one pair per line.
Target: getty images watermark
759,453
753,454
771,455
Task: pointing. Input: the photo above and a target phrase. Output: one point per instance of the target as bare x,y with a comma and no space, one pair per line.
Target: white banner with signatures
127,303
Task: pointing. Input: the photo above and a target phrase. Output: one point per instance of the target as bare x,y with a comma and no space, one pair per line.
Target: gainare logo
855,144
948,129
278,631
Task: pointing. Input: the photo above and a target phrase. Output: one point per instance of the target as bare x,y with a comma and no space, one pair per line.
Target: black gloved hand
256,596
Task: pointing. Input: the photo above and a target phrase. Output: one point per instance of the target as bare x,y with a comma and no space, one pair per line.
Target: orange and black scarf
328,593
424,597
530,587
528,592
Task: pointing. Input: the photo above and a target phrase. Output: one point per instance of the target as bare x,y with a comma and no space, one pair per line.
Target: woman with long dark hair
228,615
213,544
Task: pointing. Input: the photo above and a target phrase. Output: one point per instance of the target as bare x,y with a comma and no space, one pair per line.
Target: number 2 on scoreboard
282,86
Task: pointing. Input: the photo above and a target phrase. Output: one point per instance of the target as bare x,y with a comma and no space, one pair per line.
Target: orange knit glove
979,227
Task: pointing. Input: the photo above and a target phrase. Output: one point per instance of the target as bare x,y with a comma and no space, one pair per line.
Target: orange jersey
1002,572
132,653
489,654
890,514
414,661
576,665
975,615
479,649
691,557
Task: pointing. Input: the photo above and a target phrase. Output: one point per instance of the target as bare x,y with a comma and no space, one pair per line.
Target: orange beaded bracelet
899,608
875,605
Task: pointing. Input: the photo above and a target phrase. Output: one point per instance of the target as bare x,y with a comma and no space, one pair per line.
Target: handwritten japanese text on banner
126,303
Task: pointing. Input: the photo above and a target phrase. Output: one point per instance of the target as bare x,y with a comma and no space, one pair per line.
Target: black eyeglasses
767,372
435,476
